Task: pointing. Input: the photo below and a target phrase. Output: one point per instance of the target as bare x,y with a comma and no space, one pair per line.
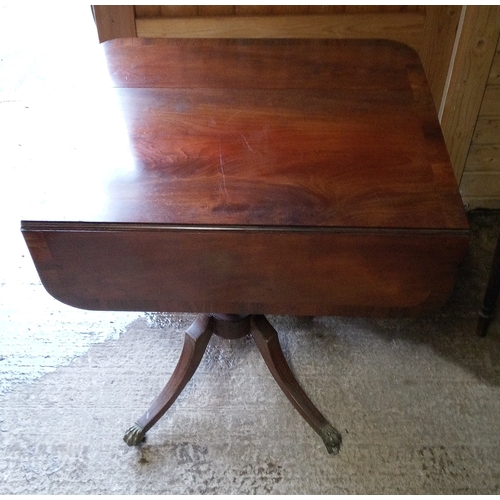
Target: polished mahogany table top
305,158
321,133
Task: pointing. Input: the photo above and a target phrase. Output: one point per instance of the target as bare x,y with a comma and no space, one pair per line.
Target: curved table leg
267,340
195,344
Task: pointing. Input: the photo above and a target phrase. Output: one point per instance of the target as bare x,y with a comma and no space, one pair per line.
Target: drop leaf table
236,178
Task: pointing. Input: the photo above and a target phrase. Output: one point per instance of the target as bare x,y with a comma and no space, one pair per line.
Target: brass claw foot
332,439
135,435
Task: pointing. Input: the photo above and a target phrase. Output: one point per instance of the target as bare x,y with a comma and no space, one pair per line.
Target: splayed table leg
195,344
266,338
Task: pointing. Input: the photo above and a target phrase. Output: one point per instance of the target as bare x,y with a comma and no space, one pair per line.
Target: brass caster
332,439
135,435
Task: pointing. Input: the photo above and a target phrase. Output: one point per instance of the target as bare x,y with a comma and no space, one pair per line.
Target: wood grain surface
253,176
248,272
330,133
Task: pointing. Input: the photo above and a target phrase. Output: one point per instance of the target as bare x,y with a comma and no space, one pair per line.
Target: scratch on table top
246,142
223,173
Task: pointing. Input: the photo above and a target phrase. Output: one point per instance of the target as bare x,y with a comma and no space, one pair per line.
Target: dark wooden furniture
252,177
490,298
